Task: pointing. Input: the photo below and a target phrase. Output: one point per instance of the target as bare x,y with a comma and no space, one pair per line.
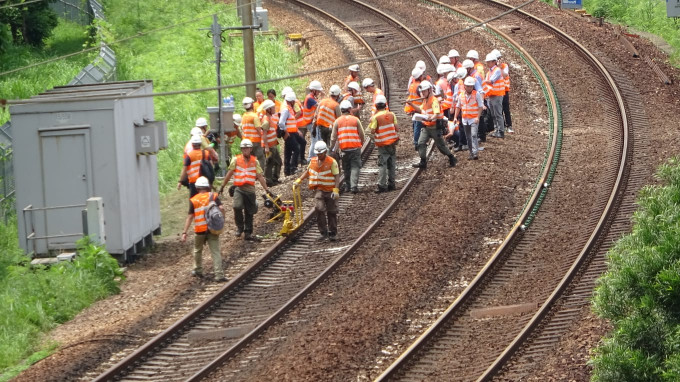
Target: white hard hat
380,99
201,122
335,90
367,82
320,147
247,101
202,182
246,143
237,119
421,65
497,53
354,68
266,104
445,68
444,60
461,73
286,90
425,85
453,53
315,85
354,85
416,72
196,131
469,81
345,105
490,57
468,64
196,140
472,54
450,76
290,96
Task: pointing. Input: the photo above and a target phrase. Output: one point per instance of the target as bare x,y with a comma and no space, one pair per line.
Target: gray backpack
213,216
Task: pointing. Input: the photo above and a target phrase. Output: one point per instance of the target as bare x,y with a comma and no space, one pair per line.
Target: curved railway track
254,299
449,348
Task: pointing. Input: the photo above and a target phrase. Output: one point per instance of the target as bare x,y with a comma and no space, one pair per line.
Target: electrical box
261,16
74,143
227,119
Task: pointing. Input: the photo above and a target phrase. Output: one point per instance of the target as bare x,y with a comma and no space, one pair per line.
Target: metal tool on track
290,210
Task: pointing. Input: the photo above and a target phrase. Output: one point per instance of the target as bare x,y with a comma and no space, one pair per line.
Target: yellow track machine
290,210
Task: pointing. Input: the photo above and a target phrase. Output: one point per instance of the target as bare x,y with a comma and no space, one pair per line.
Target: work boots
422,164
452,161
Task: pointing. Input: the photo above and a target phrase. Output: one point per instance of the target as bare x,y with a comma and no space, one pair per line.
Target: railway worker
352,96
197,207
383,130
495,85
251,128
444,60
443,89
259,98
348,133
457,90
271,95
430,109
245,169
291,135
324,179
414,101
201,124
469,107
422,67
309,107
370,87
191,170
505,69
473,55
454,58
326,114
270,119
353,76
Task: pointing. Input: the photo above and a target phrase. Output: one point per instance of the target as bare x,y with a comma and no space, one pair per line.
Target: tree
30,23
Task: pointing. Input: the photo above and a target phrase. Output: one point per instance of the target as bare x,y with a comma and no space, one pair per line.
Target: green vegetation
28,24
34,299
645,15
640,293
183,58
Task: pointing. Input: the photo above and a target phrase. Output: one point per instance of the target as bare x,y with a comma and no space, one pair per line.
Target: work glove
297,181
335,194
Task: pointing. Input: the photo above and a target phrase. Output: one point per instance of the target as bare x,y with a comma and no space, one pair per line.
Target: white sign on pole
673,8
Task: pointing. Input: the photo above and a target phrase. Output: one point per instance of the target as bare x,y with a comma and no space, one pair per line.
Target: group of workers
448,109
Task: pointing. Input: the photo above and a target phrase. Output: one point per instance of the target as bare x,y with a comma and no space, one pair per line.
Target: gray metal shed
68,151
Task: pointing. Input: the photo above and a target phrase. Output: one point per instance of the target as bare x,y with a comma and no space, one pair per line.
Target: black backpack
207,169
213,216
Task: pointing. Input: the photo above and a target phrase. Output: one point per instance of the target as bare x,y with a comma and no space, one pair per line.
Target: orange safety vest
299,121
308,114
326,112
426,108
444,85
194,170
248,127
386,132
200,202
375,95
291,122
506,78
413,94
349,79
245,172
348,132
497,88
469,106
321,175
270,140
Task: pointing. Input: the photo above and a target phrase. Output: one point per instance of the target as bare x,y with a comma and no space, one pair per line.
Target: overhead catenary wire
293,76
20,4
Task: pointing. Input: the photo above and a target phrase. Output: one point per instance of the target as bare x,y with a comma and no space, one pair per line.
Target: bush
640,293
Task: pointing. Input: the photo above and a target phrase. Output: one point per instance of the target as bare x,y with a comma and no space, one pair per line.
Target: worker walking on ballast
431,112
349,136
383,130
197,208
324,178
245,169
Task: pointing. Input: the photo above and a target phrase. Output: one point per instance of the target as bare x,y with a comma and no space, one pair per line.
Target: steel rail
246,340
513,236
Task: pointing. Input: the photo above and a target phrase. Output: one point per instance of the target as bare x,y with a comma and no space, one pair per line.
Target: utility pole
248,45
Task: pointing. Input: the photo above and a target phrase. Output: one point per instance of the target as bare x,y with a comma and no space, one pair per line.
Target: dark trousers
303,142
291,153
506,110
326,212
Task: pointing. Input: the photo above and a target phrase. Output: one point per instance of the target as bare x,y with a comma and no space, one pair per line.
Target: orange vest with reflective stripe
248,127
426,108
320,174
444,85
413,94
270,139
245,172
200,202
375,95
299,121
348,132
506,78
497,88
291,122
194,170
326,112
469,106
308,114
386,132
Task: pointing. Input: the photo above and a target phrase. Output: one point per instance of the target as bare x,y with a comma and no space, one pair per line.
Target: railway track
498,307
236,313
